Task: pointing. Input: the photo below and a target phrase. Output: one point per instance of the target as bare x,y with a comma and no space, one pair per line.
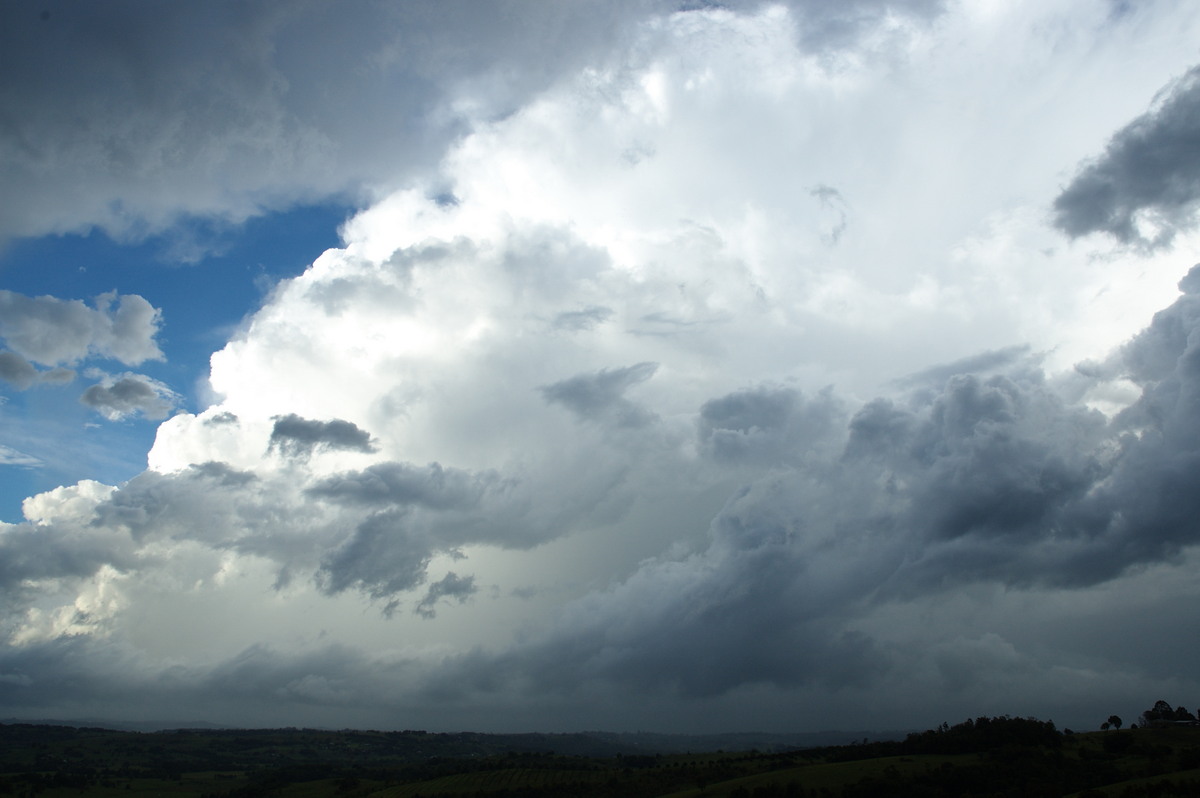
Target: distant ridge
118,725
585,743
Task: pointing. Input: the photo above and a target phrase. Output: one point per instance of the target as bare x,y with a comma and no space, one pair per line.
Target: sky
641,365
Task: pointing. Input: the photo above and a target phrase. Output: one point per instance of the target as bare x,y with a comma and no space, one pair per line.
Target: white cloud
10,456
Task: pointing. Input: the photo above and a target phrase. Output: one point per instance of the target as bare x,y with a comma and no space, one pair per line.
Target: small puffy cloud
296,436
1146,186
128,395
22,374
56,331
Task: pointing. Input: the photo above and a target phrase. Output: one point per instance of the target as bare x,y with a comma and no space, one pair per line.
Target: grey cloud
221,419
600,395
383,556
69,669
1154,353
991,478
833,26
756,607
221,507
110,678
297,436
210,502
1151,166
237,107
770,425
432,486
56,375
451,586
580,320
398,518
55,331
334,674
129,395
30,553
834,212
17,370
984,362
663,325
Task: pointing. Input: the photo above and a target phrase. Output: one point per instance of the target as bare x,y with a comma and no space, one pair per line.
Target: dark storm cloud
759,605
770,425
129,395
48,330
990,477
451,586
109,677
1001,480
296,436
1151,166
69,668
600,395
386,554
231,108
987,478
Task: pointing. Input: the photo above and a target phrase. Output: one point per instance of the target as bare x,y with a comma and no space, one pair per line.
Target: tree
1161,711
1115,721
1104,726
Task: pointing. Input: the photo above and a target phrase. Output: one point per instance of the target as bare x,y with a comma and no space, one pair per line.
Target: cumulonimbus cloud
635,416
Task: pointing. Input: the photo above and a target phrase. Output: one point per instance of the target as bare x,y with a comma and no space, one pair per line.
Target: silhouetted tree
1115,721
1160,712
